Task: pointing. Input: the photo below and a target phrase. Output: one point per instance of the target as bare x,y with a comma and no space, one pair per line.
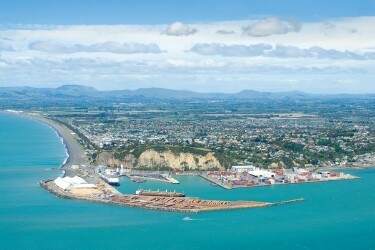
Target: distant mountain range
78,91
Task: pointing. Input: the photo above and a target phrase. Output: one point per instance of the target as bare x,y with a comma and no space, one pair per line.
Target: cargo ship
159,193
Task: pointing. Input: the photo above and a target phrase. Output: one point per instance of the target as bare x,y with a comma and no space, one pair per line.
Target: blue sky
166,11
207,46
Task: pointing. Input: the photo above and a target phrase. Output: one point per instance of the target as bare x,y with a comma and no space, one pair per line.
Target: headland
92,188
96,190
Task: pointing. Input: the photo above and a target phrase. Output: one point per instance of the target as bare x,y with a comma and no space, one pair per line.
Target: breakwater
170,204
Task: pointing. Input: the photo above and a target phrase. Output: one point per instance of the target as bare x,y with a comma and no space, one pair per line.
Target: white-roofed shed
61,183
240,169
262,173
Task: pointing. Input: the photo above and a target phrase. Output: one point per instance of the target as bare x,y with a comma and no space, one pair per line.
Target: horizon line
189,90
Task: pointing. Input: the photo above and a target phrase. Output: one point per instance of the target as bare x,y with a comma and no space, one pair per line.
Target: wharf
226,185
216,181
171,204
142,176
151,176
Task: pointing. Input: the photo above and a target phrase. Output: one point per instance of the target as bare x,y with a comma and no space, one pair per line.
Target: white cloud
278,51
225,32
179,29
5,47
109,55
113,47
230,50
272,26
282,51
204,75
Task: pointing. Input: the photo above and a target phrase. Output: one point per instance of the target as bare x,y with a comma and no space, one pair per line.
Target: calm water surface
334,215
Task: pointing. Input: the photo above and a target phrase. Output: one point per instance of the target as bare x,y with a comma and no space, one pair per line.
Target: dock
228,185
152,176
105,195
215,181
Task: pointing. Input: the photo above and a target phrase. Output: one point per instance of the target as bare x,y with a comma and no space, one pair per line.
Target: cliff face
107,159
153,159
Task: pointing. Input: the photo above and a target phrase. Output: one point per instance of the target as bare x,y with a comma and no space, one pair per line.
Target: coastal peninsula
83,181
104,193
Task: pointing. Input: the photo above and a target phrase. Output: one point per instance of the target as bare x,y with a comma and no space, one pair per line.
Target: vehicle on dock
165,193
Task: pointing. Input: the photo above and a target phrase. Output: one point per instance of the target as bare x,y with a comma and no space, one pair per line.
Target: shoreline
73,150
63,143
59,134
75,156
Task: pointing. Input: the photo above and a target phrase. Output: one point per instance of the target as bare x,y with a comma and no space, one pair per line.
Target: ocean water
335,215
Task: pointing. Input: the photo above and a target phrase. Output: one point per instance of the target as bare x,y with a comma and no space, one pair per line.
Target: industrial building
76,182
240,169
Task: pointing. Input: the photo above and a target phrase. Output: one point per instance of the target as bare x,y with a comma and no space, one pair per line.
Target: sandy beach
75,153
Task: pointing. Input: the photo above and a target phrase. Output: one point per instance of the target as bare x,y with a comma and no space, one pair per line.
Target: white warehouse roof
75,182
61,183
263,173
78,180
243,167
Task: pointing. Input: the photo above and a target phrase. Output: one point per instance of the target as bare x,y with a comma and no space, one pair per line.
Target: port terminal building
254,171
241,169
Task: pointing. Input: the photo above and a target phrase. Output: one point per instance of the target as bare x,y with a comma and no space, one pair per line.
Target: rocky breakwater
153,159
171,204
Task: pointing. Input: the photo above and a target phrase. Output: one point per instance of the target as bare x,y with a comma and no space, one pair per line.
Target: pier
156,176
105,194
215,181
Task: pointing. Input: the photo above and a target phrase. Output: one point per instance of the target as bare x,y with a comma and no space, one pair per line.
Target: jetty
106,194
151,175
215,182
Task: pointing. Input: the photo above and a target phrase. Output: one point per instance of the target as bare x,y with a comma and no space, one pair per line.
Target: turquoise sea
335,215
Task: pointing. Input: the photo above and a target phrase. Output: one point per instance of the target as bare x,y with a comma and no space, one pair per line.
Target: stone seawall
169,204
